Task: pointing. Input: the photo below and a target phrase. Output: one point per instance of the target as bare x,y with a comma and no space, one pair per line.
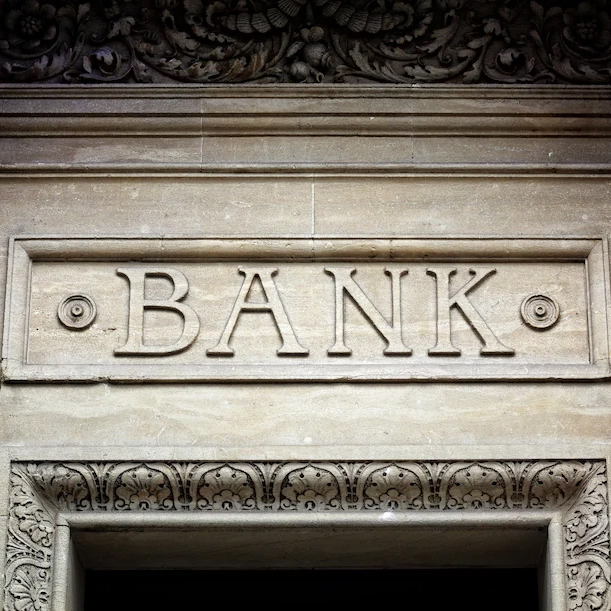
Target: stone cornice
306,110
298,90
306,129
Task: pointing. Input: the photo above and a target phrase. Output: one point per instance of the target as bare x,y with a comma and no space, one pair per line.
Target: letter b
136,277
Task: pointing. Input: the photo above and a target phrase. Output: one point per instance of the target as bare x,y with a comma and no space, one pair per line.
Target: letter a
391,332
445,302
137,304
290,346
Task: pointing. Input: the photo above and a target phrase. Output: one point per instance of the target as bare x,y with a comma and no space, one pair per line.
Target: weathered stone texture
207,180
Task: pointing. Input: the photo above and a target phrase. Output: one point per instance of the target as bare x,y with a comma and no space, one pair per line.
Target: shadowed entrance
433,589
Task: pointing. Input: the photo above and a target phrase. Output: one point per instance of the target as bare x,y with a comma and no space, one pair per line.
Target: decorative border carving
576,489
425,41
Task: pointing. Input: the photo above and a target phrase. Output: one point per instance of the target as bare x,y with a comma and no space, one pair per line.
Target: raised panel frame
24,251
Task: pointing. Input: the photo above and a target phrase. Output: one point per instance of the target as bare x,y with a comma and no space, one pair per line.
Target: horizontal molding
321,248
80,170
549,451
288,130
305,111
295,90
269,124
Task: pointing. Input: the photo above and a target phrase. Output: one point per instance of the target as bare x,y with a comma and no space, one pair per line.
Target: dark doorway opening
426,589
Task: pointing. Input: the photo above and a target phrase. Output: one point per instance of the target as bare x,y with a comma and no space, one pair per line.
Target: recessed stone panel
306,309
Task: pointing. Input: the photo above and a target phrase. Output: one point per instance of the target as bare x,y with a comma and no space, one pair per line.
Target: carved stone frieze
577,489
237,41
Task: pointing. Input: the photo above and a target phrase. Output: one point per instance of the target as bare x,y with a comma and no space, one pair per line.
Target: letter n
390,331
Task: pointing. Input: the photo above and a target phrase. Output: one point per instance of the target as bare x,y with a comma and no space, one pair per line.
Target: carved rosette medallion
540,311
301,41
77,312
577,489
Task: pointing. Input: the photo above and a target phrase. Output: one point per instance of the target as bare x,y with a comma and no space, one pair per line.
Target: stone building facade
284,269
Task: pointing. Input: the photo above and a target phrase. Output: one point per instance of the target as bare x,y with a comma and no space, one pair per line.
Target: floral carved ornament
306,41
576,489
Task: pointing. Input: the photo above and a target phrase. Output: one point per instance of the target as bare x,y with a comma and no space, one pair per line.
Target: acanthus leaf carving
301,41
311,488
226,488
31,529
586,528
577,489
393,487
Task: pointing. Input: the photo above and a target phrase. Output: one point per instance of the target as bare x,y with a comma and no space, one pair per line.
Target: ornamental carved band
301,41
576,489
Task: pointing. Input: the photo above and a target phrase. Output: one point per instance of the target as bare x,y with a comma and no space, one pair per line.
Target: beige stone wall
305,163
438,163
